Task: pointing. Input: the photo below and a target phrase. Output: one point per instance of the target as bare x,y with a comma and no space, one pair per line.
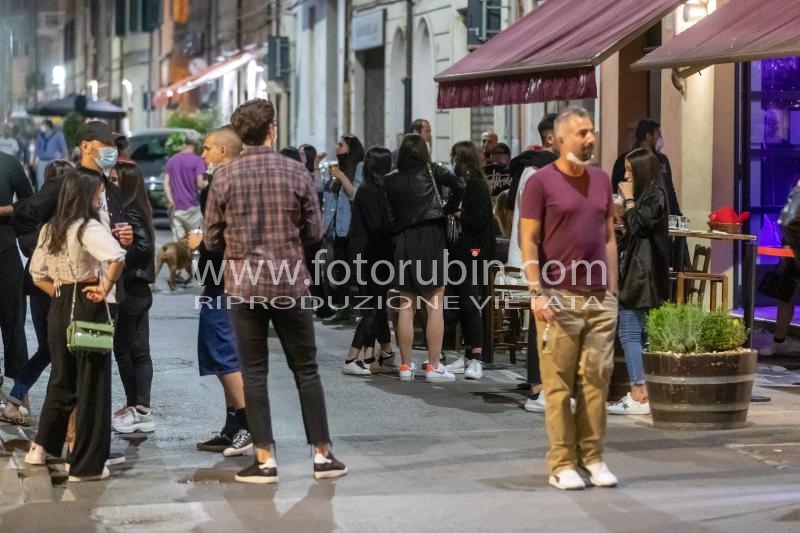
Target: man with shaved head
566,234
216,342
220,148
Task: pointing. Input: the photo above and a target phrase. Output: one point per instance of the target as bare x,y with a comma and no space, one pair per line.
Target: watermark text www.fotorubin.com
341,273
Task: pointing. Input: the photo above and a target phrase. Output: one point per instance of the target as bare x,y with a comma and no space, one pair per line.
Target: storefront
752,153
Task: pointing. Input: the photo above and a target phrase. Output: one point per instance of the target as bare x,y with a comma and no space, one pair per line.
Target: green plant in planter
721,333
690,329
674,328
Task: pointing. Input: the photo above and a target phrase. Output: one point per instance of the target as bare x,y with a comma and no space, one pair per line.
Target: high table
748,243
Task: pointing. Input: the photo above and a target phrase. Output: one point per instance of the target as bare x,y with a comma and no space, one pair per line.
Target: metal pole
409,63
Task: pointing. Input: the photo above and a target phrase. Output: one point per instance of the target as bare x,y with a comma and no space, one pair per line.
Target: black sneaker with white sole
217,443
259,473
328,467
242,443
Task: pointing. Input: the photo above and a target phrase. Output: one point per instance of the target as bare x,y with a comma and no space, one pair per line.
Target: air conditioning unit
51,22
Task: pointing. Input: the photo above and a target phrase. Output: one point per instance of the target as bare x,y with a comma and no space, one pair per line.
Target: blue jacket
337,206
51,146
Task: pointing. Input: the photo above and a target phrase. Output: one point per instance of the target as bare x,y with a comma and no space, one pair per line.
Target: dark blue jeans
630,332
30,372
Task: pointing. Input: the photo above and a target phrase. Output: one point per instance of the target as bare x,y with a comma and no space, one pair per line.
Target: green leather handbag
89,337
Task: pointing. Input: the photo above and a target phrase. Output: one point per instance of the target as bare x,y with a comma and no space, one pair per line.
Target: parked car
148,149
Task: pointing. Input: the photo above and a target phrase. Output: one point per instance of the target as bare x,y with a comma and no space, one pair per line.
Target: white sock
320,459
271,463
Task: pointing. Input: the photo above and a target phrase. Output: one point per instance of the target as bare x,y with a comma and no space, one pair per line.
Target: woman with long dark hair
644,267
473,249
67,265
340,186
418,220
371,245
132,336
16,408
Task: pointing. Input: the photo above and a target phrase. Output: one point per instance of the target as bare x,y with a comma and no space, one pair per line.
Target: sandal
23,421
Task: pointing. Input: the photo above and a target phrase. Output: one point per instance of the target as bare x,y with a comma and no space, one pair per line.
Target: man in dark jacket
13,183
648,136
98,154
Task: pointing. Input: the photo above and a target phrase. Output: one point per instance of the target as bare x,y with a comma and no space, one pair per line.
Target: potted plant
698,373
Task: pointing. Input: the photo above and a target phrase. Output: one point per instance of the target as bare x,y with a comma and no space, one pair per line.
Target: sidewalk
452,457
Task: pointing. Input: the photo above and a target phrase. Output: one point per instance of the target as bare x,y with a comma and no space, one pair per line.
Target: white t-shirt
514,252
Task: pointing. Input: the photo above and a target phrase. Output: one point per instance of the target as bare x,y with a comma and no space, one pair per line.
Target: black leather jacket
412,199
140,255
644,261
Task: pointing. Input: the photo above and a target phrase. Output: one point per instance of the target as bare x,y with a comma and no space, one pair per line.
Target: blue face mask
106,159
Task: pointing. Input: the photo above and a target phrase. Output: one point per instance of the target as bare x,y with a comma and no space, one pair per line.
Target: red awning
208,74
549,54
742,30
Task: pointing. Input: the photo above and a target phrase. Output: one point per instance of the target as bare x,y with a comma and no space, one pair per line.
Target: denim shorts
216,340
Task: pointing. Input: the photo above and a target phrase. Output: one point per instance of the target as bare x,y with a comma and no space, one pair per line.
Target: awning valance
741,30
208,74
549,54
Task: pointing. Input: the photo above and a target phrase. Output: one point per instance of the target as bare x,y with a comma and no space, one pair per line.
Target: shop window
774,144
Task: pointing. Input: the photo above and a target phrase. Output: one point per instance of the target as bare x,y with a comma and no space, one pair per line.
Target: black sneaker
259,473
328,467
217,443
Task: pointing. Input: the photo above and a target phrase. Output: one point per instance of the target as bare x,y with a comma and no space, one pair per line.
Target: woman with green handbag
77,262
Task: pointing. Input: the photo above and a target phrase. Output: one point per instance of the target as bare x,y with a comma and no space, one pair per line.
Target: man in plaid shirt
261,210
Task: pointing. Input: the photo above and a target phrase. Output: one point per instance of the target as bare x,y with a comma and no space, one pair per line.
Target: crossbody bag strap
435,185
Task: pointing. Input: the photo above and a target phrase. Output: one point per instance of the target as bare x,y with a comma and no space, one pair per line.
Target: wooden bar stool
700,273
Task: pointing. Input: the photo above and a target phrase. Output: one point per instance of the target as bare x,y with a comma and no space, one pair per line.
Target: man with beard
570,254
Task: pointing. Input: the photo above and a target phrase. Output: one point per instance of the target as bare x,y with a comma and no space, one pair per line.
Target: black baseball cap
501,148
98,131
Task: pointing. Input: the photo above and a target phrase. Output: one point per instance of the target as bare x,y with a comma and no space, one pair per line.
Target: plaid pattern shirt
262,208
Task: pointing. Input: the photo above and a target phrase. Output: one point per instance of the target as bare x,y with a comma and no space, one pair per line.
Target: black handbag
789,221
778,285
453,227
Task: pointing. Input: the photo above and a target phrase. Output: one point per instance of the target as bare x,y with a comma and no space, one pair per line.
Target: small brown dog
178,257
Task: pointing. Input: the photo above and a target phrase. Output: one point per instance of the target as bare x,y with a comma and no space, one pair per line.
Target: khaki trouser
185,220
578,359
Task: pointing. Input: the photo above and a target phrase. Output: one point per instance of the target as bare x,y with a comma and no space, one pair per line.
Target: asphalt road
455,457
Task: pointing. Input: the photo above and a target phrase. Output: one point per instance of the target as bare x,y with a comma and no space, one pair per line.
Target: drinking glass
673,222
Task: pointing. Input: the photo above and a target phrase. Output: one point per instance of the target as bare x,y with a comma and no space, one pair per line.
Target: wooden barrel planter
700,391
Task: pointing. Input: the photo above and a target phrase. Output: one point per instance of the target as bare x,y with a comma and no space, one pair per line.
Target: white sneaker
538,405
788,346
474,370
407,371
600,475
106,473
123,419
438,375
567,480
628,406
458,366
36,455
134,422
356,368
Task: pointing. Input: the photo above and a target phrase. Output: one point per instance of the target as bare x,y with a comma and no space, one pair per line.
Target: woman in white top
77,254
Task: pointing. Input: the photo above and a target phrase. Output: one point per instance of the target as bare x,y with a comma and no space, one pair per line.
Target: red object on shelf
775,251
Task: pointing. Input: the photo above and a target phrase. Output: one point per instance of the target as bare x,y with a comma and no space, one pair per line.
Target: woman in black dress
418,219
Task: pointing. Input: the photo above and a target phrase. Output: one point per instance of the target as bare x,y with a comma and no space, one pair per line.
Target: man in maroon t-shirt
566,235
